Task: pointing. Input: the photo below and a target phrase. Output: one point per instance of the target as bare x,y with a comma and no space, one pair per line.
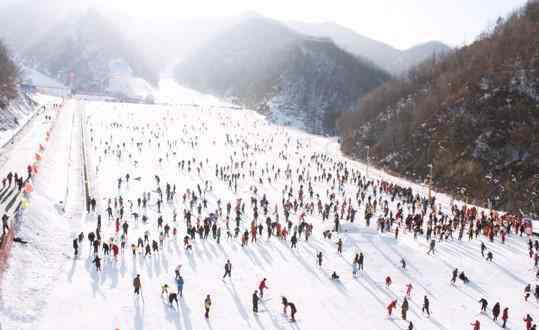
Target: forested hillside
473,115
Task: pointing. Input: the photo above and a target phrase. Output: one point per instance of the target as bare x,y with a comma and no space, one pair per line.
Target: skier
484,304
403,264
228,269
476,325
293,311
137,285
173,297
177,270
319,257
164,289
505,316
432,246
354,269
527,292
454,276
97,262
179,285
207,305
388,281
261,287
409,288
426,306
404,308
464,278
76,246
334,276
392,305
528,320
284,301
339,246
255,301
496,311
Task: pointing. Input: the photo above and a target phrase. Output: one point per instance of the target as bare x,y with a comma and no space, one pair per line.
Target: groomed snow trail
33,269
48,291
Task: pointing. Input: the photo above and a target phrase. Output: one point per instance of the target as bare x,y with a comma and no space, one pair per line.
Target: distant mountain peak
385,56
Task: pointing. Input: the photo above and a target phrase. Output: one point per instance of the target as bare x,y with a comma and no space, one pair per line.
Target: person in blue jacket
179,285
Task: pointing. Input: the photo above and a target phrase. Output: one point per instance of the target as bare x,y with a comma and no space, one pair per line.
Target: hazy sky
400,23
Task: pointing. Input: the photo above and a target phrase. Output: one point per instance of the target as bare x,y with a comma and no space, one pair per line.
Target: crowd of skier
312,187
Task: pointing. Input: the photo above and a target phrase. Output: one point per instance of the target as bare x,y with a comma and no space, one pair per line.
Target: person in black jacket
284,301
484,304
426,306
228,269
255,301
293,311
496,311
76,246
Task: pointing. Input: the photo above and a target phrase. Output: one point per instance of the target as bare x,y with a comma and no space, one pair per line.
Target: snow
44,288
122,81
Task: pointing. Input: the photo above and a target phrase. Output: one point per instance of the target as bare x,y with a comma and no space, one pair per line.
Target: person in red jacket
261,287
391,306
388,281
476,325
528,320
505,316
115,250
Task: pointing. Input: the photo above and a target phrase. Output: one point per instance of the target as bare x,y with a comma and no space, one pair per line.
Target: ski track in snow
44,288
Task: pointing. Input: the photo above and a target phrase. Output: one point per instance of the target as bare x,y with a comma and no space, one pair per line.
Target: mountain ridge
263,64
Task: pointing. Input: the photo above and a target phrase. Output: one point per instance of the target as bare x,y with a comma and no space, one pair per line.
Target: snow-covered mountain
262,64
83,51
387,57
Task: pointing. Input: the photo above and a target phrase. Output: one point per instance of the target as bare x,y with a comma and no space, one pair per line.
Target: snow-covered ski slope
46,288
